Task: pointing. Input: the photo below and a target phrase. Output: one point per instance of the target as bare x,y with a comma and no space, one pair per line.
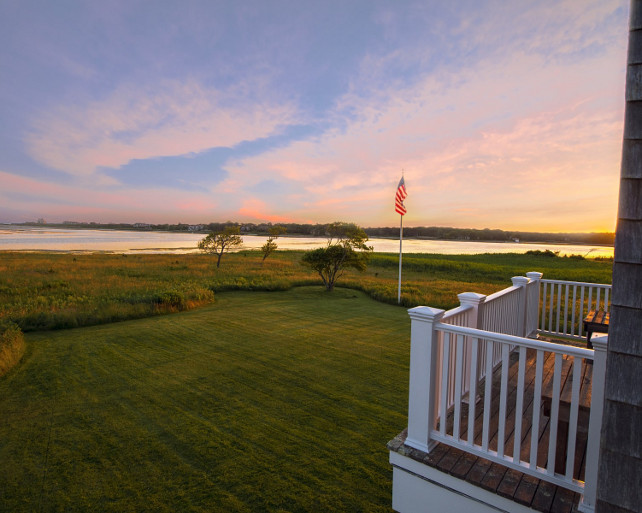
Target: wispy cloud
137,122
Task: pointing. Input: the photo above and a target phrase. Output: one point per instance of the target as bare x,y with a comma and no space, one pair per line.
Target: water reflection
27,238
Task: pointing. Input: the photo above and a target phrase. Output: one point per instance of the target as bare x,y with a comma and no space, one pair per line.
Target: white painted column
423,380
532,304
587,504
521,281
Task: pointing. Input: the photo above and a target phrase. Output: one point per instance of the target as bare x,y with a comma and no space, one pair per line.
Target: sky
500,114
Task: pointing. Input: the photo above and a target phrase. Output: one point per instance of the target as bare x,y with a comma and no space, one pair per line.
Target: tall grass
41,291
12,347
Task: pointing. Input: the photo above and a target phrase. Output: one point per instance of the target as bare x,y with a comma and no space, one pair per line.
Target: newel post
423,380
587,504
532,303
521,281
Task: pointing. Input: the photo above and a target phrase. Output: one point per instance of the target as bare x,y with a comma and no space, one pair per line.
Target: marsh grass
12,346
41,291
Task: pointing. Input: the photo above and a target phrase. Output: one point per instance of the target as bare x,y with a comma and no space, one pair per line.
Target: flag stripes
400,196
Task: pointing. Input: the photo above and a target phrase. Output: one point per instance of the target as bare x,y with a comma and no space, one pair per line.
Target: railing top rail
456,311
581,283
511,339
500,293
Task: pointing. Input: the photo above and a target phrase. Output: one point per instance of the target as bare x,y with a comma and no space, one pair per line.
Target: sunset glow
502,114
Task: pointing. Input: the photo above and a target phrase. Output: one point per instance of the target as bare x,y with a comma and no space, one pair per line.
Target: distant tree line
446,233
320,230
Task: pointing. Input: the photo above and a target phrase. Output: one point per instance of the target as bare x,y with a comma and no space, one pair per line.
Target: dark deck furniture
595,321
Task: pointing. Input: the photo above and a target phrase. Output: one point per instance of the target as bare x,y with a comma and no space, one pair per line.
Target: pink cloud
60,202
254,209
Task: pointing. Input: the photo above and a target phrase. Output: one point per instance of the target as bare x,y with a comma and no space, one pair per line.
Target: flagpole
400,242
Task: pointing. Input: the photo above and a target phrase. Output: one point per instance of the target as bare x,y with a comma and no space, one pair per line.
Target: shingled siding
620,466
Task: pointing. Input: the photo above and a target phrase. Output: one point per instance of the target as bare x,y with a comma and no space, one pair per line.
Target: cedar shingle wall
620,474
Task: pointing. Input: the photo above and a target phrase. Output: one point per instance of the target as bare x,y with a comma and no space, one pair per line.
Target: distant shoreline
575,239
55,240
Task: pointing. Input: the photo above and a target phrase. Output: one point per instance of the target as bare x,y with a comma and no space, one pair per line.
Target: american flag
400,196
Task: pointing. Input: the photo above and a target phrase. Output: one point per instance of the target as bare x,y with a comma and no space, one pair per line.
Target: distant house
196,227
145,226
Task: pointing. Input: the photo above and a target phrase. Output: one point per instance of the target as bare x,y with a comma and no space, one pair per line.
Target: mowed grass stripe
278,401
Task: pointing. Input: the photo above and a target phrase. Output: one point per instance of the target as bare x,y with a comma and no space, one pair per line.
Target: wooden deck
522,488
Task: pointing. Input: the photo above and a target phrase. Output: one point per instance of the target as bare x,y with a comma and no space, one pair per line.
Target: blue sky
501,114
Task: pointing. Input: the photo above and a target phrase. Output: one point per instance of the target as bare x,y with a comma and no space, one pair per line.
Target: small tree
217,243
346,248
270,246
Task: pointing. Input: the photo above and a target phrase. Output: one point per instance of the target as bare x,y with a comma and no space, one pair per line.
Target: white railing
453,363
566,303
503,311
460,316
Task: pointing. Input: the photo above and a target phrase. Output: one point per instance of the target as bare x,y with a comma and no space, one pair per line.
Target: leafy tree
217,243
346,248
270,246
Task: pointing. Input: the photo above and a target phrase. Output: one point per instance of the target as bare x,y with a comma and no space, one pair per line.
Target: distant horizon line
95,224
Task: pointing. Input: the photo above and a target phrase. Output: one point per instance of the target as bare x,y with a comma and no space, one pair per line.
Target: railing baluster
565,323
595,424
519,406
581,327
542,323
550,308
481,354
559,307
502,401
459,356
555,408
472,390
445,378
573,311
488,382
537,402
572,423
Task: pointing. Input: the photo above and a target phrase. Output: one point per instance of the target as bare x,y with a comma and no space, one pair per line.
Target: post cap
519,281
425,313
600,343
471,298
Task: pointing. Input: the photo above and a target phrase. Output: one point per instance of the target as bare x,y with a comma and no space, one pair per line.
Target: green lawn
263,401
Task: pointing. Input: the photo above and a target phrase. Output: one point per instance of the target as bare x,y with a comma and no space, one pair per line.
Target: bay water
42,238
